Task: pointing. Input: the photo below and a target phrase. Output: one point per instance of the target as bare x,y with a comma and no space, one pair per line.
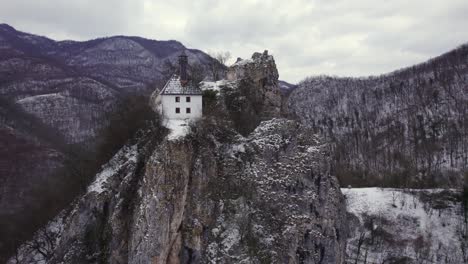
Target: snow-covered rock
260,71
211,197
414,226
214,86
177,128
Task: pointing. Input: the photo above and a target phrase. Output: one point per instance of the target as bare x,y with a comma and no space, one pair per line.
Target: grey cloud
337,37
74,18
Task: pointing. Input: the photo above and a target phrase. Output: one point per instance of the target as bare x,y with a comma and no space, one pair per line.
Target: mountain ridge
422,63
75,91
407,128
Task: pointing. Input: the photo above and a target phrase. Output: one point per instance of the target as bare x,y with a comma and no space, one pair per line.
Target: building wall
169,106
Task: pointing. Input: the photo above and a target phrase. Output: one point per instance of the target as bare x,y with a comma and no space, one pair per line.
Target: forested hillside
65,108
406,128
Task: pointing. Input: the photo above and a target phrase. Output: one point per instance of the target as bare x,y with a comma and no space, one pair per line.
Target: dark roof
173,86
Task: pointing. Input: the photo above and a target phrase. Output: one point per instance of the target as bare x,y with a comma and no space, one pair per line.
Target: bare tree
365,256
223,57
361,240
394,197
38,250
218,65
168,69
44,243
197,73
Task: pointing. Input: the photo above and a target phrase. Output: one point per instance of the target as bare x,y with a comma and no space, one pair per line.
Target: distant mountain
120,62
57,95
286,88
87,76
406,128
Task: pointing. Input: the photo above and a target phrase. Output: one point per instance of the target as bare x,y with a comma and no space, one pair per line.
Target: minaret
183,68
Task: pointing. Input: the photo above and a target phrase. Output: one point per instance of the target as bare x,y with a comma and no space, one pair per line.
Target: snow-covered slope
412,226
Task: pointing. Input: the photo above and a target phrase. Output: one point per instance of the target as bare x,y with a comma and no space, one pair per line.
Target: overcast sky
307,37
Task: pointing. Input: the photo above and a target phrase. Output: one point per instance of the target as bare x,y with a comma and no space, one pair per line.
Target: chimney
183,68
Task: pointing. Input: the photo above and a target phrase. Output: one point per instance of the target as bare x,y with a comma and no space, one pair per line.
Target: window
177,99
177,110
187,110
187,99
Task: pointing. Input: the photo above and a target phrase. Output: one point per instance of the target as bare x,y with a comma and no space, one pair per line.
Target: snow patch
312,149
42,96
178,128
236,149
129,154
242,62
407,217
230,238
213,86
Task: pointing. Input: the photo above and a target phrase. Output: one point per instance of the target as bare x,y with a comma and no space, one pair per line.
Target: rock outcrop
213,196
230,191
264,198
260,71
250,94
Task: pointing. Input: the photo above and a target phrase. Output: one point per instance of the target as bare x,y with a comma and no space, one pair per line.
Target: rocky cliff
58,95
212,196
261,71
251,93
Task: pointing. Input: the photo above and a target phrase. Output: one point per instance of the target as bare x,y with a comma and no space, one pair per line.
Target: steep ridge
213,196
67,92
406,128
93,73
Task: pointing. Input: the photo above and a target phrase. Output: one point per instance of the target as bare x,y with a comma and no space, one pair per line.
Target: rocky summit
213,195
261,70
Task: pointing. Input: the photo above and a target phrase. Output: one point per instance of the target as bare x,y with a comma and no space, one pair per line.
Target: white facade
185,107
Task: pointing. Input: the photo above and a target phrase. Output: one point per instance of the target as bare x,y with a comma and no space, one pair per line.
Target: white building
180,99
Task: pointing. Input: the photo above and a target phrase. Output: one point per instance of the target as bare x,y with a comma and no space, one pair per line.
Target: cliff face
251,93
260,71
265,198
213,196
66,89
